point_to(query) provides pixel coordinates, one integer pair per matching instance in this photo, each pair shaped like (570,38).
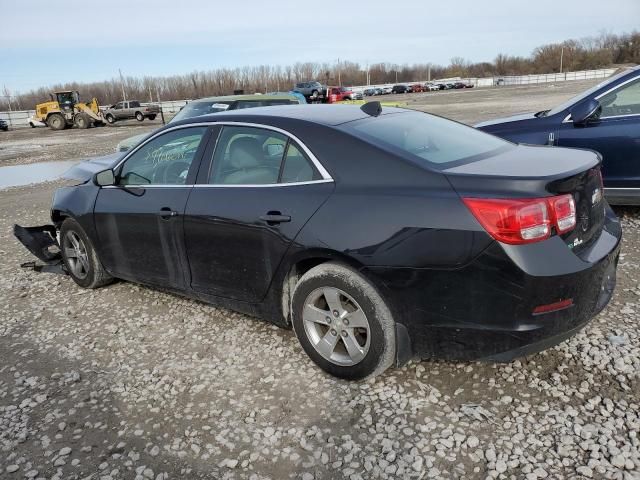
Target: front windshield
(572,101)
(196,109)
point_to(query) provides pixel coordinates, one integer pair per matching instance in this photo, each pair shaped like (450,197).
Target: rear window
(440,142)
(196,109)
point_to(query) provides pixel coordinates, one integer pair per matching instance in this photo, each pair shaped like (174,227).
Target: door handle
(167,213)
(273,218)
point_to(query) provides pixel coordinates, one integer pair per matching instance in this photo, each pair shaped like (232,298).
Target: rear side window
(134,104)
(434,140)
(297,167)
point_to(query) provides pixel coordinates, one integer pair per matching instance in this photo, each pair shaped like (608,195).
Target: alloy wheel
(76,253)
(336,326)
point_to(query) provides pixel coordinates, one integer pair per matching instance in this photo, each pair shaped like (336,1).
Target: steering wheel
(175,173)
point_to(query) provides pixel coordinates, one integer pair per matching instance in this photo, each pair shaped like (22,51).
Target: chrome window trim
(617,87)
(323,172)
(220,185)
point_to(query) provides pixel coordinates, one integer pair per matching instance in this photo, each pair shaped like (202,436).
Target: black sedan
(378,234)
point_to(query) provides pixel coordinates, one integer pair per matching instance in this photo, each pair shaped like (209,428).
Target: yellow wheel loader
(66,110)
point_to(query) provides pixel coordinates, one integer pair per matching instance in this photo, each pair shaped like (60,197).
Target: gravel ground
(126,382)
(32,145)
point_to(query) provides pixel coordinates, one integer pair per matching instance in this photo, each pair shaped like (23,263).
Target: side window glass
(247,156)
(134,104)
(165,160)
(297,167)
(623,101)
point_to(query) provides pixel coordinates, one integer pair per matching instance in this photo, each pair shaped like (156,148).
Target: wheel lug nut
(344,333)
(346,321)
(333,332)
(335,313)
(328,319)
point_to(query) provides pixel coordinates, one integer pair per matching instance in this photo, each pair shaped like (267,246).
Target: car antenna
(372,108)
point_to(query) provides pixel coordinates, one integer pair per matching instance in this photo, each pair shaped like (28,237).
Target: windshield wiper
(542,113)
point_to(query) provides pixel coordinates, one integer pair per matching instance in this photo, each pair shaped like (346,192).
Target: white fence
(21,118)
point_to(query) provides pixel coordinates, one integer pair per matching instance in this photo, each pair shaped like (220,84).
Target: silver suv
(311,90)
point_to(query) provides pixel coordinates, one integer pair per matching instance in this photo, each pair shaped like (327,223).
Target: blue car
(605,118)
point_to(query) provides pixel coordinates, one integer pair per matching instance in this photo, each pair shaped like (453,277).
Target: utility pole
(429,73)
(339,78)
(561,58)
(160,104)
(124,95)
(396,76)
(150,96)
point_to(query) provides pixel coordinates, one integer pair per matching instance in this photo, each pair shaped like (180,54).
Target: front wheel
(80,258)
(342,322)
(56,122)
(110,119)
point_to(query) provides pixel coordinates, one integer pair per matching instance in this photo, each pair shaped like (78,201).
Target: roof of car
(233,98)
(322,114)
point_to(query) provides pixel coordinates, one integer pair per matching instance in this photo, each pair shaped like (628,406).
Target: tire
(373,340)
(98,124)
(32,125)
(139,116)
(80,258)
(82,121)
(110,119)
(152,117)
(56,122)
(314,95)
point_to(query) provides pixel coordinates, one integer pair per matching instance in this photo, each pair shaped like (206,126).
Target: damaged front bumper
(42,242)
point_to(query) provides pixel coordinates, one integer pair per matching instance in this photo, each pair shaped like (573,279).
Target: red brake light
(520,221)
(512,221)
(564,209)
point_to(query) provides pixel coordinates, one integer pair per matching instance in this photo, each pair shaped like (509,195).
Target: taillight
(526,220)
(564,210)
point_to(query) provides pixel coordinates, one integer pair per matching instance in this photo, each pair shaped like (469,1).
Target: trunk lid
(538,171)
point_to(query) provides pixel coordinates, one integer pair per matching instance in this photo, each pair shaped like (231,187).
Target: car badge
(575,243)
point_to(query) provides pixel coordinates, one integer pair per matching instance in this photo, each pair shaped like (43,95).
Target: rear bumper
(484,311)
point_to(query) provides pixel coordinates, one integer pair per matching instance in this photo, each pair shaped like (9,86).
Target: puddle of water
(18,175)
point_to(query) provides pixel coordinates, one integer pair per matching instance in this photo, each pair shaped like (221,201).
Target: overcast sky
(42,43)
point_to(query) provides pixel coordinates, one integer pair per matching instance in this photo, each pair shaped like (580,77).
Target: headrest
(245,152)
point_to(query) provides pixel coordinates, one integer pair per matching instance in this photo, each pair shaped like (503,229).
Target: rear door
(261,186)
(139,220)
(616,135)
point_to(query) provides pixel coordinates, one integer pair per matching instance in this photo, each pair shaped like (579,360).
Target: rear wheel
(82,121)
(80,258)
(152,117)
(56,122)
(342,322)
(139,116)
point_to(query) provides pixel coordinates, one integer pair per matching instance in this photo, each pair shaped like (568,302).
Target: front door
(616,135)
(139,220)
(247,208)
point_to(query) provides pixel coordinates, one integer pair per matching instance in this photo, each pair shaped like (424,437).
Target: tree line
(587,53)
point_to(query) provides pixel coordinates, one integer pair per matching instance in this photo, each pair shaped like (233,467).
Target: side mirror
(585,111)
(104,178)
